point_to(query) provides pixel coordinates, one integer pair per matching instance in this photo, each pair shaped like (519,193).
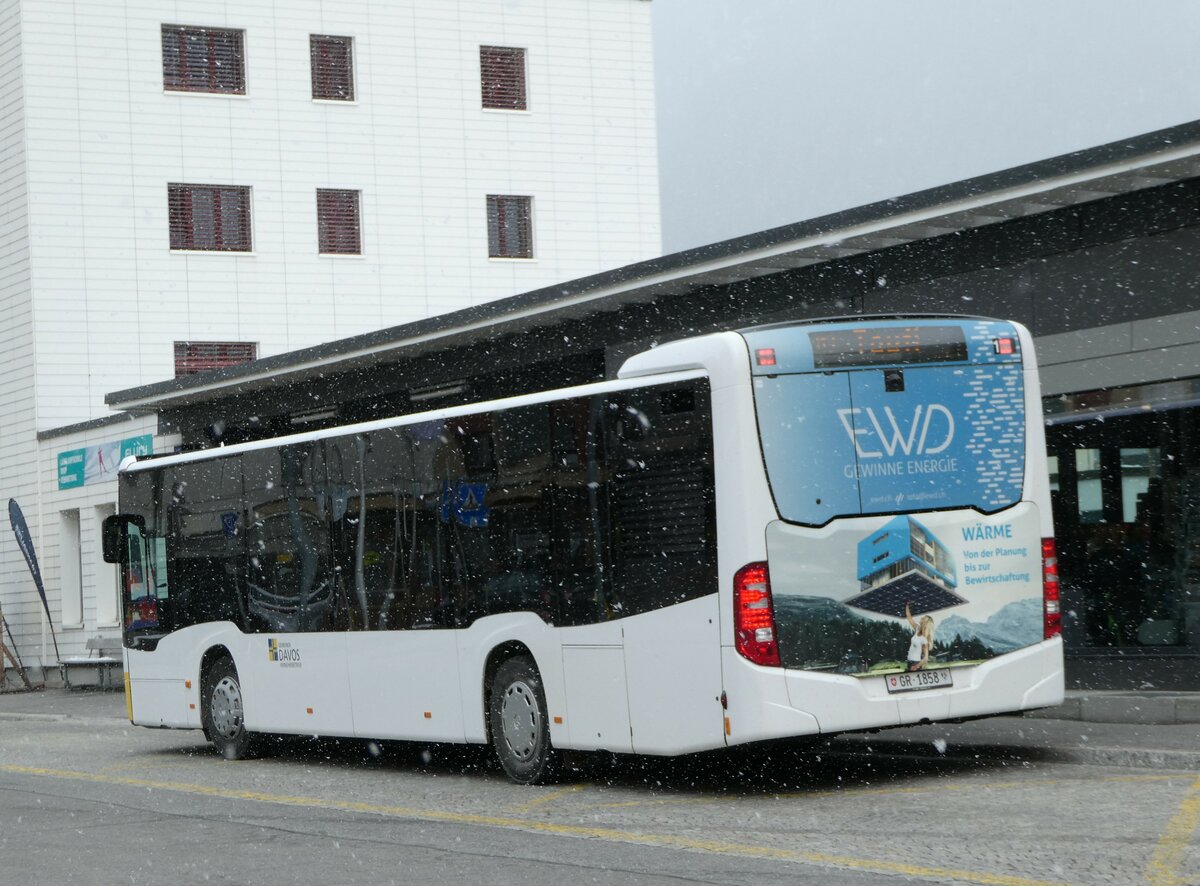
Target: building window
(200,356)
(502,72)
(338,228)
(70,563)
(510,226)
(209,217)
(203,60)
(332,67)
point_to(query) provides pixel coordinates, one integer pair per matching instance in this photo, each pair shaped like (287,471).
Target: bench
(103,657)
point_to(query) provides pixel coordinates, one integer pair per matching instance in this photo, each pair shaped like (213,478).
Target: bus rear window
(878,441)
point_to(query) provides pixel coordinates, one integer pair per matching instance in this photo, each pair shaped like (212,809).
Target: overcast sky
(774,111)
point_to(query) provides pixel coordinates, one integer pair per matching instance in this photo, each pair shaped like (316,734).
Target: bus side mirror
(112,536)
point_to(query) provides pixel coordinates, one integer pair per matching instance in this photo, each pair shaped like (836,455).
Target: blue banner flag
(25,542)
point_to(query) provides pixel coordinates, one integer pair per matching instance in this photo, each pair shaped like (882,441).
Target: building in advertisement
(1095,252)
(904,567)
(189,187)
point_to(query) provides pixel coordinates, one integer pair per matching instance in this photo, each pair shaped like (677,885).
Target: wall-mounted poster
(94,464)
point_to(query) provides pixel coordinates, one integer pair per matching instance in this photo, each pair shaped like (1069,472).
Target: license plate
(915,681)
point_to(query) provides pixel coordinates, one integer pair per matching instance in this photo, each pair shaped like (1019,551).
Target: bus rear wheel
(520,725)
(222,711)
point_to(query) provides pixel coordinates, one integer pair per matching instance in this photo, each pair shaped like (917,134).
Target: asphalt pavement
(1154,730)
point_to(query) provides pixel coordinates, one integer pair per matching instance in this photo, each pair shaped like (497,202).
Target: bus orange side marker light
(727,732)
(187,684)
(558,721)
(309,710)
(192,706)
(429,715)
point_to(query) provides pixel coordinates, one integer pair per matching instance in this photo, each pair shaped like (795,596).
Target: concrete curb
(998,751)
(1137,708)
(65,718)
(41,717)
(1131,758)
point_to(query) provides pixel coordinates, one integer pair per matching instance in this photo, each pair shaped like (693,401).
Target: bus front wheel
(223,712)
(519,723)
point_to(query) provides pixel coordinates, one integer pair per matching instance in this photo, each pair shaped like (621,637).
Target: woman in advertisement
(922,639)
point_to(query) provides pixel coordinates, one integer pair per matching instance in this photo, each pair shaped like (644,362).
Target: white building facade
(185,185)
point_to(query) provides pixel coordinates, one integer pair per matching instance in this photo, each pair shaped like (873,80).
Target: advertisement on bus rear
(907,593)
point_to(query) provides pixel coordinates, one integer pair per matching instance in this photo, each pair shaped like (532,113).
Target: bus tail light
(1005,346)
(754,615)
(1051,601)
(765,356)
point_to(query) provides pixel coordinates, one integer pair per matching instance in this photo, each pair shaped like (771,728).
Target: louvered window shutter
(502,70)
(209,217)
(203,60)
(199,356)
(510,226)
(338,228)
(332,67)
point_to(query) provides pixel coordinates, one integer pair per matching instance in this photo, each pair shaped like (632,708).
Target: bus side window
(492,520)
(204,542)
(145,584)
(663,509)
(580,511)
(289,579)
(434,573)
(367,533)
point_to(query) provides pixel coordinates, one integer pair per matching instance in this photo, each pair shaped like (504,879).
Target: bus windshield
(880,418)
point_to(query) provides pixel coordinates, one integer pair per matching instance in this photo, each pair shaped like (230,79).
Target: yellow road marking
(142,765)
(599,833)
(873,792)
(549,797)
(1163,869)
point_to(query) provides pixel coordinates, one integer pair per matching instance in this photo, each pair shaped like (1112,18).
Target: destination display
(890,345)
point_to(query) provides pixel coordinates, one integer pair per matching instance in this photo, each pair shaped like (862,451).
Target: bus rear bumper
(792,703)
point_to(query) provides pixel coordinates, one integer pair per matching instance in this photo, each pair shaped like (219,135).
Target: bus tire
(222,711)
(520,724)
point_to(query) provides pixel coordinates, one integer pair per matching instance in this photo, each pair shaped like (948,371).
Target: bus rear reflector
(754,615)
(1051,602)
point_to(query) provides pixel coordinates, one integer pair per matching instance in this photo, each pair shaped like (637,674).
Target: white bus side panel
(478,641)
(159,693)
(158,702)
(759,707)
(405,685)
(1037,479)
(597,707)
(673,675)
(300,687)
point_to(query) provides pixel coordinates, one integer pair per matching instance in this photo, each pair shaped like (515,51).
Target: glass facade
(1126,490)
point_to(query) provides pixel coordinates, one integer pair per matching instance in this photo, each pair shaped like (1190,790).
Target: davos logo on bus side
(882,433)
(283,652)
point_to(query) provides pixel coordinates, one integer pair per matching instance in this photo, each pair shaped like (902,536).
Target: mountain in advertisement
(822,634)
(819,633)
(1012,627)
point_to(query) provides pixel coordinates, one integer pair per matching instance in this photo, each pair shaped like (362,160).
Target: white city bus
(782,531)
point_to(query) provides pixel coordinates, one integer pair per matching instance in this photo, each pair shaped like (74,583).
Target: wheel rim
(227,707)
(520,720)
